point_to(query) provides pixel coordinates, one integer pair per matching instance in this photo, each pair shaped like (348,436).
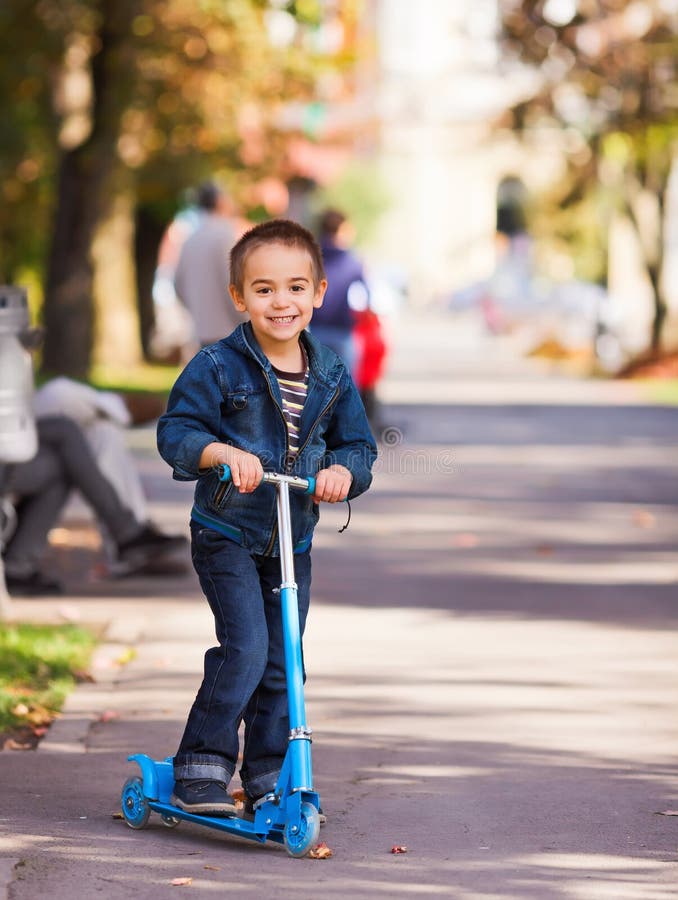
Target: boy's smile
(280,294)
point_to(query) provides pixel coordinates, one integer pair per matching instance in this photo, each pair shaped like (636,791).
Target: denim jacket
(229,393)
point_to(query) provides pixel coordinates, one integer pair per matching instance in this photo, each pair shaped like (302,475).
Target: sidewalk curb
(87,702)
(7,866)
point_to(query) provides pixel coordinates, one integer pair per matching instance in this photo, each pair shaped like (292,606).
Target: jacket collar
(323,363)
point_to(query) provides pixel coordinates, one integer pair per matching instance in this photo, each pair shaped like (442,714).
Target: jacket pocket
(234,402)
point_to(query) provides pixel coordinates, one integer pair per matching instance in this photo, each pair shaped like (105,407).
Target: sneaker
(35,584)
(208,798)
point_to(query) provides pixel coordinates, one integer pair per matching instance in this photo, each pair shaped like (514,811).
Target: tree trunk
(652,253)
(660,309)
(148,234)
(68,310)
(84,176)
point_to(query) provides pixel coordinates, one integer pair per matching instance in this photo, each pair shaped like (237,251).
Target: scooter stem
(300,733)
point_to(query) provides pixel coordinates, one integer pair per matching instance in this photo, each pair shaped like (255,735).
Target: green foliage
(39,666)
(29,53)
(606,77)
(569,221)
(204,89)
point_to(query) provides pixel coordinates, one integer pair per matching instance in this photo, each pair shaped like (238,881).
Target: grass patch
(39,666)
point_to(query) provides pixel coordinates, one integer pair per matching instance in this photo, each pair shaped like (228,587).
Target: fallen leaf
(117,815)
(213,868)
(398,848)
(39,715)
(11,744)
(126,656)
(668,812)
(238,795)
(82,676)
(320,851)
(178,882)
(108,715)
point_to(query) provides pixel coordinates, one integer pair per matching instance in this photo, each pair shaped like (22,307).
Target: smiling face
(280,293)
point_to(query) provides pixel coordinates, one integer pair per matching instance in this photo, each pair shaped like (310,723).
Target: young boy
(266,397)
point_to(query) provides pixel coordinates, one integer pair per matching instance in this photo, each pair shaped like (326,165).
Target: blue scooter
(289,815)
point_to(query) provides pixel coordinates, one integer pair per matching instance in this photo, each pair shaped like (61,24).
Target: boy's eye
(297,287)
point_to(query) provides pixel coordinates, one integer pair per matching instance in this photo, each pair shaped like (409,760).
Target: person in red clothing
(371,356)
(345,321)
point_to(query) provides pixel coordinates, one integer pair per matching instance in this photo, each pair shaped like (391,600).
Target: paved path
(491,653)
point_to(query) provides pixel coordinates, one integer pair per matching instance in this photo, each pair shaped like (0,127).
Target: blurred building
(419,101)
(439,94)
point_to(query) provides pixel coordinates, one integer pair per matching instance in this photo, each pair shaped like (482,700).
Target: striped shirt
(293,387)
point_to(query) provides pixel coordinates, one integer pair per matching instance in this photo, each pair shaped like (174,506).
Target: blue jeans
(244,677)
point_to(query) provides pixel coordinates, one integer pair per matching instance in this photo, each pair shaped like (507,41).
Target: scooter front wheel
(135,808)
(301,836)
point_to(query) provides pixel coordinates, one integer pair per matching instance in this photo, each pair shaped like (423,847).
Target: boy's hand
(246,468)
(332,484)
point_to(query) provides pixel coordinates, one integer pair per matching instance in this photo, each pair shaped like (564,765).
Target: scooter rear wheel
(170,821)
(135,808)
(300,838)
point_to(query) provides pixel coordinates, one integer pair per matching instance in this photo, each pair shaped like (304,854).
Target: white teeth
(284,319)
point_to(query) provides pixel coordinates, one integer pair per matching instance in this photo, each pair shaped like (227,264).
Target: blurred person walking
(201,278)
(347,290)
(345,321)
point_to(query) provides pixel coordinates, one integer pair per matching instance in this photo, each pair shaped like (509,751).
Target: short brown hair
(276,231)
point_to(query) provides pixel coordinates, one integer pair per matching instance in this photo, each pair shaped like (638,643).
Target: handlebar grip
(225,476)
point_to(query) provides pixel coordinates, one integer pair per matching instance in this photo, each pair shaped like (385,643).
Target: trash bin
(18,438)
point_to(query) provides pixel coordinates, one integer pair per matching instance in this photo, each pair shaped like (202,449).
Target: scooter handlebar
(307,485)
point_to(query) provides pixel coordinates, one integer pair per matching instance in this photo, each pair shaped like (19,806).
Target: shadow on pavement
(512,424)
(465,811)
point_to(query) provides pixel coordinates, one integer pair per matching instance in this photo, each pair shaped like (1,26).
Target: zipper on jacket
(329,403)
(318,418)
(274,531)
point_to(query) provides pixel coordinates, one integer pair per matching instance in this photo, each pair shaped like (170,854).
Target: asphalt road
(491,652)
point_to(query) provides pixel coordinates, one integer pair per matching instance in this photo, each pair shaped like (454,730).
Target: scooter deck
(230,824)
